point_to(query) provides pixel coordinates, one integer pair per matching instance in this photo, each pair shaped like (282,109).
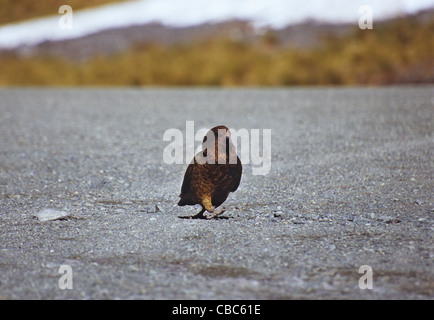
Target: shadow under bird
(212,175)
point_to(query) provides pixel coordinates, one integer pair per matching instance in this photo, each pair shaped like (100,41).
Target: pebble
(51,215)
(158,209)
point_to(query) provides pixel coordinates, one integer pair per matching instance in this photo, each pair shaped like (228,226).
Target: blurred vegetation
(397,51)
(17,10)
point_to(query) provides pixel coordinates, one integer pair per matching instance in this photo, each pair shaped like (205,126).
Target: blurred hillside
(233,53)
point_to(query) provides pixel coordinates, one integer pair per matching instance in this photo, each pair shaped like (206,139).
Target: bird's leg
(216,214)
(199,215)
(207,205)
(196,216)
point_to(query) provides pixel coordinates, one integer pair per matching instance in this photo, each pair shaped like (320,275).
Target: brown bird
(212,175)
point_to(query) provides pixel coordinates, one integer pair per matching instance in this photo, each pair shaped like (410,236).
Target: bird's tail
(185,201)
(182,202)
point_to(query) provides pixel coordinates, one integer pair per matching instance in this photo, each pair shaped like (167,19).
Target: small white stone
(51,215)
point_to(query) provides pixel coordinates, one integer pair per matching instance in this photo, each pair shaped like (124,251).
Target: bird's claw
(200,215)
(215,215)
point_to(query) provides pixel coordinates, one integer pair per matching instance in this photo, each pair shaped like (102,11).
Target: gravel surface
(83,183)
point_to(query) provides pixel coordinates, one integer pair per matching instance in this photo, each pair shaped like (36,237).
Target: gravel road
(351,184)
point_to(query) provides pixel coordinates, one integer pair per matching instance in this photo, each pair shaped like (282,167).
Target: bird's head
(218,133)
(217,144)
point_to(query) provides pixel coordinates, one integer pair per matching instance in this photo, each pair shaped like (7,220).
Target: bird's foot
(216,214)
(196,216)
(192,217)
